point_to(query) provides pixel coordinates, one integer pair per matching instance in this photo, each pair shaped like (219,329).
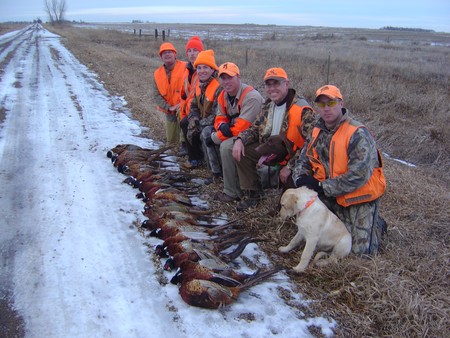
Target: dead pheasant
(181,254)
(172,196)
(216,244)
(192,231)
(118,149)
(213,246)
(211,295)
(189,270)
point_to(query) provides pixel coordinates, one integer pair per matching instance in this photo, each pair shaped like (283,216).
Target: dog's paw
(284,249)
(325,261)
(322,262)
(299,268)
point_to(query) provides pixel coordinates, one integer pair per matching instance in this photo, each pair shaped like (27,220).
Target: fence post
(328,67)
(168,33)
(134,31)
(156,34)
(140,32)
(246,56)
(164,35)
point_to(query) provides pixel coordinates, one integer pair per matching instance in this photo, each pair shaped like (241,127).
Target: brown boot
(183,151)
(222,197)
(250,200)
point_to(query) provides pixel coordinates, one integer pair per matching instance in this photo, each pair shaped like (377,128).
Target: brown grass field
(397,83)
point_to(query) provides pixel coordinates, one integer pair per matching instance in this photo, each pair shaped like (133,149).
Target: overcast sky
(431,14)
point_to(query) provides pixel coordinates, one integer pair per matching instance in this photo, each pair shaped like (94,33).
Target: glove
(208,141)
(309,182)
(184,123)
(193,129)
(225,129)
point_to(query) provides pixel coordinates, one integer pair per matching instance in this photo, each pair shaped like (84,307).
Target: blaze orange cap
(206,57)
(166,46)
(330,91)
(276,74)
(229,68)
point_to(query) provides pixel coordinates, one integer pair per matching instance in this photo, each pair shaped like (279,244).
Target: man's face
(276,90)
(204,72)
(330,115)
(230,84)
(191,54)
(168,57)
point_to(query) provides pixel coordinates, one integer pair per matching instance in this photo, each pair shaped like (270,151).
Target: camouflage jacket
(261,128)
(202,108)
(362,159)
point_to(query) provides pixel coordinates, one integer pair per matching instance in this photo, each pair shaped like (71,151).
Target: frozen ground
(72,262)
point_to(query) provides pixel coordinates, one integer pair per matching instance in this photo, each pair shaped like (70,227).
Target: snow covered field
(73,264)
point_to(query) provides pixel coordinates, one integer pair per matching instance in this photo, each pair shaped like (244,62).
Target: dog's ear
(292,201)
(288,145)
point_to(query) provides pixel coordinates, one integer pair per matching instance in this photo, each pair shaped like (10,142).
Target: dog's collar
(311,201)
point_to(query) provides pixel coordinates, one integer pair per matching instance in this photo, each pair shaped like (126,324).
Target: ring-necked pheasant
(204,269)
(211,295)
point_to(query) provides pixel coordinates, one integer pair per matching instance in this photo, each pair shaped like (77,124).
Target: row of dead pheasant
(201,251)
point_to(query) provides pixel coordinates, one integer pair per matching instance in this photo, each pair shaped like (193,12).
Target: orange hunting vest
(293,133)
(205,105)
(294,126)
(370,191)
(239,124)
(189,90)
(170,90)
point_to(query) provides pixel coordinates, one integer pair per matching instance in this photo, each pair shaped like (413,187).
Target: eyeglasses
(328,104)
(274,84)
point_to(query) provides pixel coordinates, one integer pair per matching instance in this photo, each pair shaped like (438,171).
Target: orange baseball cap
(166,46)
(276,74)
(229,68)
(330,91)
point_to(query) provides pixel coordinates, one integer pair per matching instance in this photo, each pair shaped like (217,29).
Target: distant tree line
(390,28)
(56,10)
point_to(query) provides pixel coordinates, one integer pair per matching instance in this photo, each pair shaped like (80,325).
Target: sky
(72,262)
(431,14)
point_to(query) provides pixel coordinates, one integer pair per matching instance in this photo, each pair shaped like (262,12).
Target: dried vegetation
(401,91)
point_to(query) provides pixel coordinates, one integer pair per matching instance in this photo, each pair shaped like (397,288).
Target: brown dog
(275,150)
(316,224)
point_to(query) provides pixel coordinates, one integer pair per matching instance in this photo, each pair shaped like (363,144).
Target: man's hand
(225,129)
(310,182)
(173,109)
(238,149)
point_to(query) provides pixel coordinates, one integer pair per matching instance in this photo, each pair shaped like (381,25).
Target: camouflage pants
(362,221)
(212,152)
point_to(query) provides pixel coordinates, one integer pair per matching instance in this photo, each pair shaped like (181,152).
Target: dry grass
(400,92)
(9,27)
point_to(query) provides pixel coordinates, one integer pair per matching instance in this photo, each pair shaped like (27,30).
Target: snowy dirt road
(72,262)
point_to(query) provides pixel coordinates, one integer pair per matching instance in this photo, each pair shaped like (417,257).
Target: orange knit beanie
(206,57)
(196,43)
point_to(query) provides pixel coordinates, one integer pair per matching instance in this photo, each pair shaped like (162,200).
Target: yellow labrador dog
(316,224)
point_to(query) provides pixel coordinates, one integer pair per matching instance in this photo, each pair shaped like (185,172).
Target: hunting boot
(183,149)
(251,199)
